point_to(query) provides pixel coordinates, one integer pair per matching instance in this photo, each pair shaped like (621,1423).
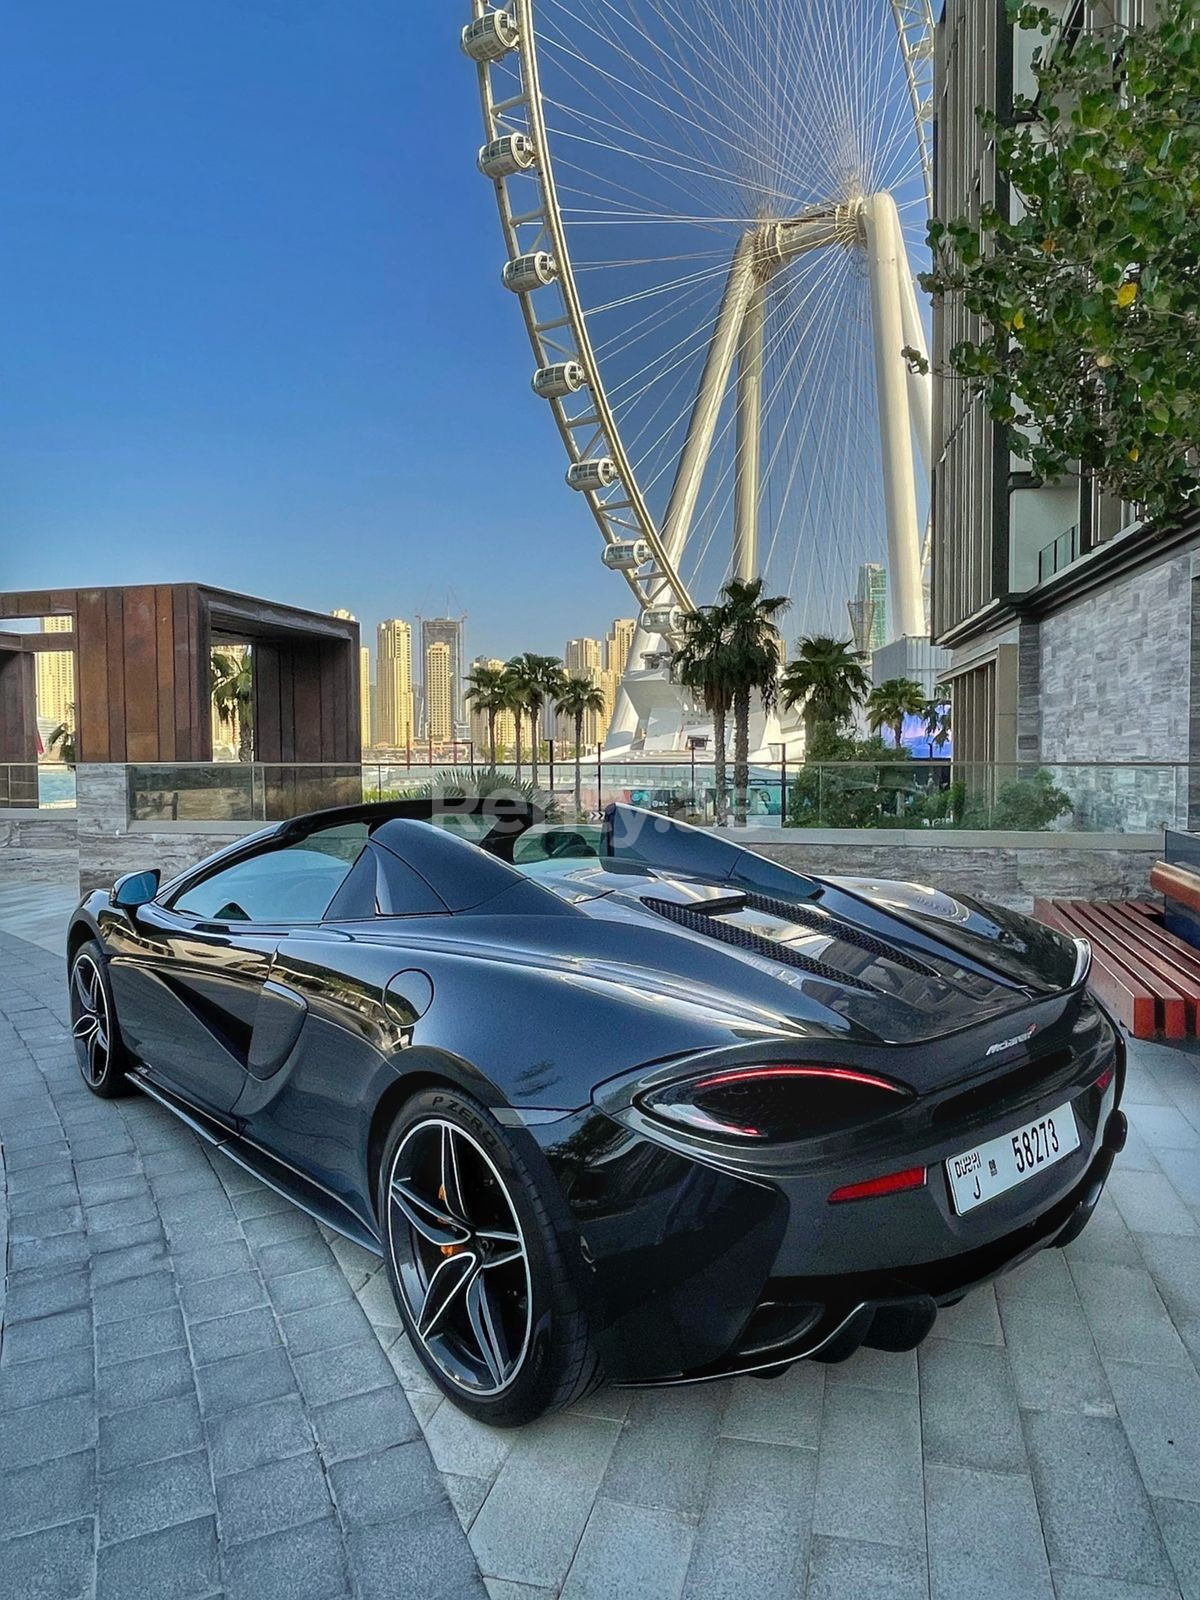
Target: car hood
(876,961)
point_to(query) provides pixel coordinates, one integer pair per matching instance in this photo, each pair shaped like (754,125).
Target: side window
(551,841)
(293,883)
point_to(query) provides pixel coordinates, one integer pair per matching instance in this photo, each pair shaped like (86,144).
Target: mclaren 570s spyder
(624,1103)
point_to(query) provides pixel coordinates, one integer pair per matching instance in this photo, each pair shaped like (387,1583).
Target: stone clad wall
(39,846)
(1010,873)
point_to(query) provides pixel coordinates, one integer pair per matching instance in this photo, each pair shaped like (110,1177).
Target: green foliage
(1024,805)
(460,783)
(61,742)
(1090,299)
(233,696)
(891,701)
(828,677)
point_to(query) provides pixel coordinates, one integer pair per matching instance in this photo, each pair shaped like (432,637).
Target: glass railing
(937,794)
(37,785)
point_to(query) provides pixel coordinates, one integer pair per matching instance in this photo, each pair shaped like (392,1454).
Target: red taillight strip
(1105,1078)
(756,1074)
(890,1183)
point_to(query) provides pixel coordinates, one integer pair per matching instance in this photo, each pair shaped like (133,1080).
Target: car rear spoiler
(630,833)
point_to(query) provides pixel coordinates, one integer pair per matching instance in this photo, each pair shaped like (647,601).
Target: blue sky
(255,334)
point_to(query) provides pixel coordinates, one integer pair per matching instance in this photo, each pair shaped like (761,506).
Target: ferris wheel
(710,214)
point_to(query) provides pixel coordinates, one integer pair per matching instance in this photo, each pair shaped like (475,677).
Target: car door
(189,969)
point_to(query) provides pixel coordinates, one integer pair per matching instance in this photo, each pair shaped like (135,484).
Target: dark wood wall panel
(143,673)
(18,722)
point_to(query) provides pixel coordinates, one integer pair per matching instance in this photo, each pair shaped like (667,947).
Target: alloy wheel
(91,1027)
(460,1256)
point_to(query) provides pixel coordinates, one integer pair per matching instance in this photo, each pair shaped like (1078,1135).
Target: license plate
(979,1175)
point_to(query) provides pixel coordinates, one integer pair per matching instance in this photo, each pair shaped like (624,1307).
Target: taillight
(1105,1078)
(775,1103)
(890,1183)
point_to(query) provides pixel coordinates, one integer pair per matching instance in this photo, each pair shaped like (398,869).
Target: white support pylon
(749,438)
(887,260)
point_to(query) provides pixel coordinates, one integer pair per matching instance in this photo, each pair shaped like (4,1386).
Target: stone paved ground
(192,1401)
(1045,1445)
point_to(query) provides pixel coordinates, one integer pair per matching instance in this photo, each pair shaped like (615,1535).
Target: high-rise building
(584,658)
(447,631)
(365,696)
(506,723)
(439,693)
(393,684)
(618,644)
(872,597)
(55,677)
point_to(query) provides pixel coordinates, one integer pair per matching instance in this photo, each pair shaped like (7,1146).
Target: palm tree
(937,716)
(64,737)
(891,701)
(577,697)
(539,679)
(754,651)
(700,665)
(488,692)
(828,678)
(233,695)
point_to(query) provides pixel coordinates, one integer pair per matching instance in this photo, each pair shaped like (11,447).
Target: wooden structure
(143,674)
(1148,978)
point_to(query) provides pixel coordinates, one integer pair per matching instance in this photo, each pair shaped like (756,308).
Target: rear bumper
(835,1316)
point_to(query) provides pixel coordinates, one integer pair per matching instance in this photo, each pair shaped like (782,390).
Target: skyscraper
(447,631)
(618,644)
(873,592)
(439,693)
(54,675)
(364,696)
(584,658)
(393,684)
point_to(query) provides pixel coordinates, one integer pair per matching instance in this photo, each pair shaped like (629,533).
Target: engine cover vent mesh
(835,928)
(770,949)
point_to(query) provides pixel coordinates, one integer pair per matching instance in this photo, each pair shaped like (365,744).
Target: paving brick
(784,1410)
(53,1564)
(753,1535)
(150,1334)
(969,1414)
(306,1561)
(357,1369)
(1053,1359)
(318,1286)
(364,1422)
(42,1297)
(662,1456)
(1128,1319)
(149,1378)
(1149,1204)
(1174,1265)
(219,1297)
(134,1261)
(557,1465)
(202,1262)
(234,1335)
(134,1297)
(270,1431)
(984,1536)
(1179,1521)
(150,1433)
(1044,1277)
(48,1429)
(175,1563)
(437,1559)
(239,1381)
(280,1227)
(47,1255)
(869,1468)
(156,1494)
(294,1255)
(27,1382)
(277,1495)
(324,1328)
(385,1485)
(1160,1411)
(48,1493)
(1096,1517)
(840,1568)
(628,1552)
(460,1444)
(48,1336)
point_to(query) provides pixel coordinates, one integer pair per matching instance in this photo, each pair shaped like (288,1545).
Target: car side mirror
(135,889)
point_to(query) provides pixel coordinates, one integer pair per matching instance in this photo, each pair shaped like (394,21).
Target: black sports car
(630,1102)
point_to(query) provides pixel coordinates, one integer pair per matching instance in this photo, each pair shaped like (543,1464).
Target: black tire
(529,1291)
(99,1051)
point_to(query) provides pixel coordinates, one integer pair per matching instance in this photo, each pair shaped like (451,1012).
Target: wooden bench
(1149,978)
